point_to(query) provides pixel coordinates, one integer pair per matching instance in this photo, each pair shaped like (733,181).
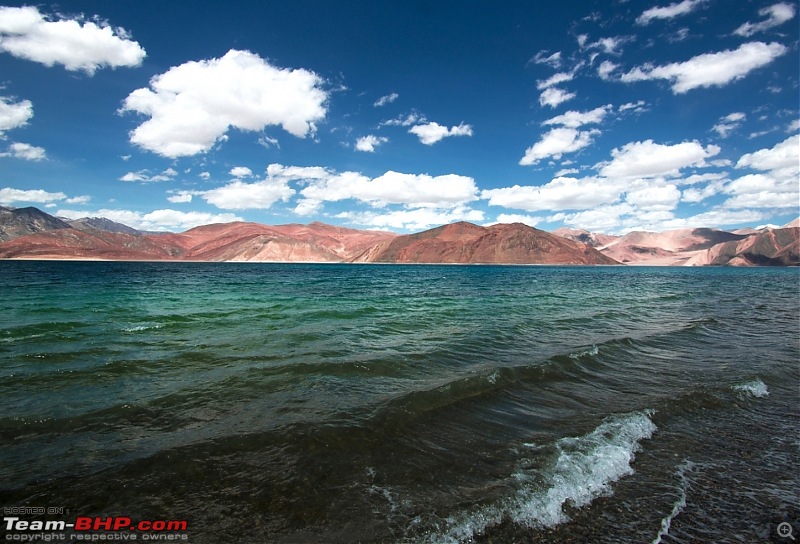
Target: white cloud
(418,219)
(668,12)
(553,96)
(388,99)
(181,197)
(728,124)
(14,114)
(599,219)
(784,155)
(763,191)
(431,133)
(654,197)
(83,199)
(576,119)
(241,172)
(710,69)
(77,45)
(157,220)
(239,195)
(776,15)
(413,190)
(559,194)
(9,195)
(529,220)
(610,46)
(144,176)
(605,69)
(26,152)
(794,126)
(544,57)
(556,142)
(405,120)
(555,79)
(637,107)
(192,106)
(370,142)
(649,159)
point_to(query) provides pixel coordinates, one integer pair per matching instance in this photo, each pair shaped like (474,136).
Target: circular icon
(785,530)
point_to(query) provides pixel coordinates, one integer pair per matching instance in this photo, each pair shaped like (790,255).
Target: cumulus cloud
(157,220)
(647,197)
(776,15)
(649,159)
(144,176)
(668,12)
(556,143)
(775,183)
(431,133)
(710,69)
(240,195)
(192,106)
(417,219)
(181,197)
(14,114)
(370,142)
(9,195)
(728,124)
(76,44)
(563,193)
(605,69)
(784,155)
(388,99)
(241,172)
(412,190)
(576,119)
(553,97)
(26,152)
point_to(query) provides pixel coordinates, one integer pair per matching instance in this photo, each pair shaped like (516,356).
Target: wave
(755,388)
(140,328)
(679,504)
(584,469)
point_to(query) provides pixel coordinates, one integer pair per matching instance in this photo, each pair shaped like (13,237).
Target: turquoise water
(383,403)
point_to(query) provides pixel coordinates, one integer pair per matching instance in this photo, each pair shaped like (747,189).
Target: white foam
(140,328)
(679,504)
(756,388)
(585,468)
(589,352)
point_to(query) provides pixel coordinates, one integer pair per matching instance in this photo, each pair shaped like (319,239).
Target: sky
(611,116)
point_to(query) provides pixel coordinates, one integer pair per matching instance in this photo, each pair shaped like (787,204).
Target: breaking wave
(583,469)
(755,388)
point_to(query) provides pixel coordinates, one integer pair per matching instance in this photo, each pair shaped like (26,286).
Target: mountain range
(29,233)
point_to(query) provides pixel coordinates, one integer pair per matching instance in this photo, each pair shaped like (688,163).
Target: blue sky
(610,115)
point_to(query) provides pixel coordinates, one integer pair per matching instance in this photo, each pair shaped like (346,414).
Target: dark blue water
(372,403)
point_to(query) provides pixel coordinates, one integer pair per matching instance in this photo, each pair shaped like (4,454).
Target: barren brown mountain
(29,233)
(674,247)
(467,243)
(771,247)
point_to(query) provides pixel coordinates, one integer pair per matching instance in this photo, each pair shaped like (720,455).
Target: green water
(371,403)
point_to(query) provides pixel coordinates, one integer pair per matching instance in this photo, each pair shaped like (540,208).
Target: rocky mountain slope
(704,247)
(467,243)
(16,222)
